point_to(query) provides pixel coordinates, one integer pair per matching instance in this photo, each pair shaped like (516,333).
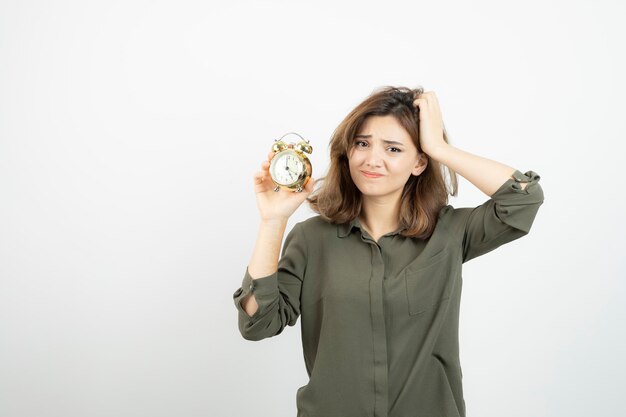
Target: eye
(356,143)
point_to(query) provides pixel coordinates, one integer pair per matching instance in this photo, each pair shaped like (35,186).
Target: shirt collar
(345,229)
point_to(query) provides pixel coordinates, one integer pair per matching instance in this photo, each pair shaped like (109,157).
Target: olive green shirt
(380,320)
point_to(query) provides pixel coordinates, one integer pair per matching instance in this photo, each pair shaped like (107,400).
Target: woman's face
(384,147)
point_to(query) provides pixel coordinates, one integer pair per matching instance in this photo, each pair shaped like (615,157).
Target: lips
(371,174)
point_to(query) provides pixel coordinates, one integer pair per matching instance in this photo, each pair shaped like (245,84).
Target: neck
(380,214)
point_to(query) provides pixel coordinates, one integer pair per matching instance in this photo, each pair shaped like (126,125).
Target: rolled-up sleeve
(507,215)
(277,295)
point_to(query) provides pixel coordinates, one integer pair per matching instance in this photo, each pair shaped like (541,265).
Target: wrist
(438,152)
(275,221)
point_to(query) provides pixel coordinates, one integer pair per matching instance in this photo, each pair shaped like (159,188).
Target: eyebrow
(390,142)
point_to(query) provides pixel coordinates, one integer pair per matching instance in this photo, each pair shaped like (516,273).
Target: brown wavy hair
(338,200)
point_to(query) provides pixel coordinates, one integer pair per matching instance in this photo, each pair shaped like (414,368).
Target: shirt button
(520,177)
(251,286)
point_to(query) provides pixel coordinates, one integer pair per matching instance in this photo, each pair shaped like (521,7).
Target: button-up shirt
(379,319)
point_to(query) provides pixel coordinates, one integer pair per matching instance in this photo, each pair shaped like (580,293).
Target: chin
(373,191)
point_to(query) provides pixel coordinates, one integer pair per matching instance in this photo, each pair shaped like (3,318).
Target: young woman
(376,275)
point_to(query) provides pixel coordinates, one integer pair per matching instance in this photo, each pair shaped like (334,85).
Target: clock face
(286,168)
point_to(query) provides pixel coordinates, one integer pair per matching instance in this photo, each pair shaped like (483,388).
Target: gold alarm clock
(290,168)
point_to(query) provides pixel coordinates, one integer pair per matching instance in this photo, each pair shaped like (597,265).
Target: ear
(420,164)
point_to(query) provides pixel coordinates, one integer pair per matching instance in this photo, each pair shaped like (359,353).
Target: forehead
(386,128)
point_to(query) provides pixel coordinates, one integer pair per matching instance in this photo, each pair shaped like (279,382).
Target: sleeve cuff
(513,184)
(264,290)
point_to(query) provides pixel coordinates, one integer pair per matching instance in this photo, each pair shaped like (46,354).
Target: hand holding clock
(276,205)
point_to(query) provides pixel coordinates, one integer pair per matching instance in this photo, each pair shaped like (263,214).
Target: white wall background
(129,133)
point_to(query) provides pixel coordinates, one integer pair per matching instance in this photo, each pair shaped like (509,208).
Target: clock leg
(299,189)
(276,188)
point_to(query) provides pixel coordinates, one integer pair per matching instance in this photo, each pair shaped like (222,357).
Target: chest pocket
(426,284)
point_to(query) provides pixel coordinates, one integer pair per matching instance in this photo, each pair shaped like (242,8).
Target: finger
(309,185)
(419,102)
(426,95)
(432,98)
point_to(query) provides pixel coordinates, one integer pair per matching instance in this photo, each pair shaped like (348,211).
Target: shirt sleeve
(278,294)
(507,215)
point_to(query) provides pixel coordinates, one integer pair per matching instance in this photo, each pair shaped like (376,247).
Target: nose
(374,158)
